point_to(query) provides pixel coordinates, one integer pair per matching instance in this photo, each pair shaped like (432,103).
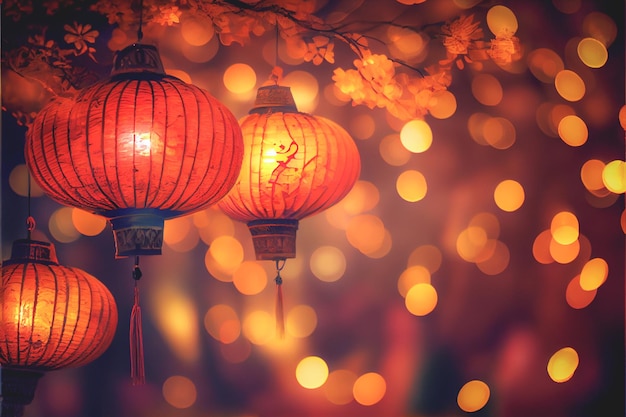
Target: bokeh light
(305,89)
(338,386)
(421,299)
(564,227)
(473,396)
(569,85)
(301,321)
(592,52)
(487,89)
(501,21)
(509,195)
(614,176)
(428,256)
(312,372)
(250,278)
(328,263)
(366,232)
(87,223)
(393,151)
(442,105)
(239,78)
(562,364)
(179,391)
(259,327)
(411,276)
(222,323)
(573,130)
(61,225)
(411,185)
(576,296)
(545,64)
(416,136)
(594,273)
(196,29)
(19,182)
(369,388)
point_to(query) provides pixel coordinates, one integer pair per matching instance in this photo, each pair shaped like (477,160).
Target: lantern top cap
(137,58)
(32,251)
(274,98)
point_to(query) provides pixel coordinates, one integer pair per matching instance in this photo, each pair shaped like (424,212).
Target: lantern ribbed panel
(136,141)
(53,317)
(294,165)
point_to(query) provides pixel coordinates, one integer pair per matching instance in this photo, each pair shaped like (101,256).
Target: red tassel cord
(137,369)
(280,312)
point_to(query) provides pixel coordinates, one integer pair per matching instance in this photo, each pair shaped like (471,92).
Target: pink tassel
(137,369)
(280,315)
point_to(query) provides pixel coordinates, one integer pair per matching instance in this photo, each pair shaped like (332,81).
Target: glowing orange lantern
(51,317)
(138,148)
(294,165)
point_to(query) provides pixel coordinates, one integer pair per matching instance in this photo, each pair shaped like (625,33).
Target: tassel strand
(280,314)
(137,369)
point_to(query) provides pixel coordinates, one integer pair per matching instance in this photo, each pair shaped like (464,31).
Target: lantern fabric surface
(138,148)
(295,165)
(52,316)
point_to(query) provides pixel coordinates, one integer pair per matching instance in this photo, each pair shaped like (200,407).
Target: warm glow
(239,78)
(473,396)
(563,364)
(300,321)
(487,89)
(545,64)
(427,255)
(362,126)
(509,195)
(499,132)
(61,225)
(564,228)
(87,223)
(592,52)
(196,30)
(222,323)
(179,391)
(328,263)
(366,232)
(411,186)
(601,27)
(416,274)
(305,89)
(312,372)
(614,176)
(18,181)
(338,386)
(250,278)
(421,299)
(576,296)
(564,254)
(393,151)
(176,318)
(501,21)
(443,105)
(259,327)
(416,136)
(472,243)
(594,274)
(227,252)
(497,258)
(591,174)
(569,85)
(369,388)
(175,230)
(573,130)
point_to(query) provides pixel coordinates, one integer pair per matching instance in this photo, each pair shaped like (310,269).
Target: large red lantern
(294,165)
(51,317)
(138,148)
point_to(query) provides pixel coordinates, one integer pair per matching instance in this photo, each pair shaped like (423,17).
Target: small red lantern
(294,165)
(138,148)
(51,317)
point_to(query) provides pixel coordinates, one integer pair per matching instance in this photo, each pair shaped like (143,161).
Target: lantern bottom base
(274,239)
(17,389)
(138,232)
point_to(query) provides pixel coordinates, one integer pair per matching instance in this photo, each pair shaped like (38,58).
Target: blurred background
(439,286)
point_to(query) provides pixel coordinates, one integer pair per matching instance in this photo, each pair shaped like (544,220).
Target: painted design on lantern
(282,154)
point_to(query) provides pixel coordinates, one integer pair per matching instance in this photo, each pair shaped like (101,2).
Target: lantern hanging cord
(30,220)
(280,264)
(140,30)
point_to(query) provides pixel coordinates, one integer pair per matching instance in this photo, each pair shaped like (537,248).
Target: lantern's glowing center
(269,156)
(142,143)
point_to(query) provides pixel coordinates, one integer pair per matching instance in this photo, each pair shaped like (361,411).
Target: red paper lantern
(138,148)
(51,317)
(294,165)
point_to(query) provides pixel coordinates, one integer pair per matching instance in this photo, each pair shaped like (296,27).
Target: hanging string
(140,30)
(137,369)
(280,312)
(30,220)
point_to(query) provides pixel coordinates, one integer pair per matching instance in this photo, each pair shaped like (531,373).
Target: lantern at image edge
(137,148)
(51,317)
(294,165)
